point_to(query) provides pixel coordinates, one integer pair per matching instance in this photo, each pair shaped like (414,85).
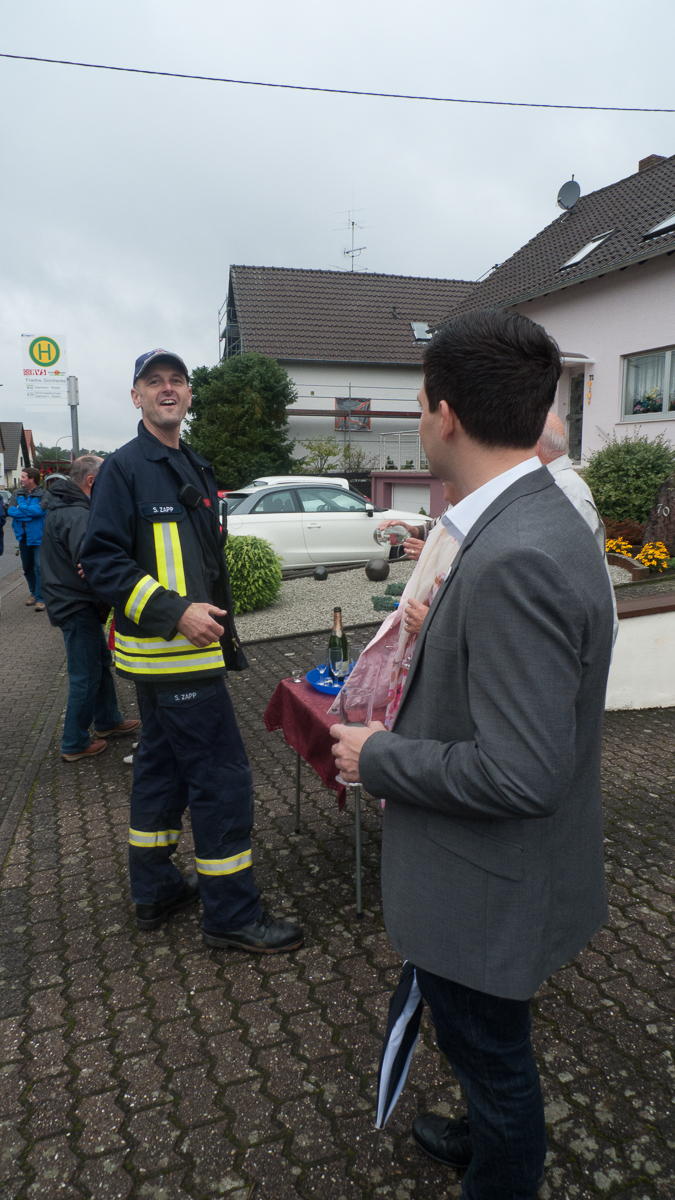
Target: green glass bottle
(338,648)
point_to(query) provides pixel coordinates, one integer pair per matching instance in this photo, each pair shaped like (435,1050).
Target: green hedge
(255,572)
(626,474)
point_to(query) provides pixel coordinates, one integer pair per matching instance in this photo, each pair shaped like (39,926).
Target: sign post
(44,371)
(73,401)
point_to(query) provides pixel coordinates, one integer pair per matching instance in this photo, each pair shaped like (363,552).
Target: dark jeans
(486,1040)
(91,695)
(30,561)
(191,754)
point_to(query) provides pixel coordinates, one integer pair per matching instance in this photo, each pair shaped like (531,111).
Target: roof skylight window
(586,250)
(662,227)
(421,331)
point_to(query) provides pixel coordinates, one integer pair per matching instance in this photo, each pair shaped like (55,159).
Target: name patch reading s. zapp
(178,696)
(161,510)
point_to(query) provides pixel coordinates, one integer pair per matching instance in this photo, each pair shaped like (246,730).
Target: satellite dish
(569,194)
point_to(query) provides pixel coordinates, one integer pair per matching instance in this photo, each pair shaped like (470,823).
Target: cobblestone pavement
(144,1065)
(32,683)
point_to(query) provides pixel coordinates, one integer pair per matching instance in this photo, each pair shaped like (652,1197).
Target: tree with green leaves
(625,475)
(238,419)
(323,454)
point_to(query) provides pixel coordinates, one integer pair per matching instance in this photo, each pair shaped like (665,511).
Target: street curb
(6,591)
(324,632)
(19,800)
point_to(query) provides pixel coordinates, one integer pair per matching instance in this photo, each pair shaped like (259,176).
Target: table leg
(298,761)
(356,789)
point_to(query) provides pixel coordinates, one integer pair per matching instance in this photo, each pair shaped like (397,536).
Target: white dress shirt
(466,513)
(579,494)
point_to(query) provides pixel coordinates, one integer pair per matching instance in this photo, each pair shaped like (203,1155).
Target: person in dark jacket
(73,606)
(3,518)
(154,549)
(27,509)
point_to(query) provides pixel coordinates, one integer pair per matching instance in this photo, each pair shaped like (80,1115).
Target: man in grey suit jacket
(492,858)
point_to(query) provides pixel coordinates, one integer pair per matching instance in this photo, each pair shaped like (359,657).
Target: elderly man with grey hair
(76,609)
(552,453)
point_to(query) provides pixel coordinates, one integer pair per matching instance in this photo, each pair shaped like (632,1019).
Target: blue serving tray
(329,688)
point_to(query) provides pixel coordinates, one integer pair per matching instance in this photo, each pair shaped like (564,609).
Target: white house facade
(601,280)
(352,343)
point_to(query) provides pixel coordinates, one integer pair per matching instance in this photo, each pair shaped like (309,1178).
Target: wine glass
(321,661)
(355,651)
(391,535)
(335,662)
(356,708)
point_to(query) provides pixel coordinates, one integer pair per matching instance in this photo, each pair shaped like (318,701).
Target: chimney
(650,161)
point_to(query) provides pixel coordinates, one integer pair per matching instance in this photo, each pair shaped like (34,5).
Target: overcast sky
(124,199)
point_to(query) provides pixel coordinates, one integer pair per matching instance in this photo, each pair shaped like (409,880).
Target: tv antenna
(355,250)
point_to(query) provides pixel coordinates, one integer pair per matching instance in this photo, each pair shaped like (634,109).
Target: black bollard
(321,574)
(377,570)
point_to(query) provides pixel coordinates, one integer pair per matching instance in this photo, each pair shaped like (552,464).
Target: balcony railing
(402,452)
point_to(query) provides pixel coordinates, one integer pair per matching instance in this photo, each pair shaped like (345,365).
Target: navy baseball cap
(142,362)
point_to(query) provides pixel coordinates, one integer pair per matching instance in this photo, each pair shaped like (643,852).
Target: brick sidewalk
(143,1065)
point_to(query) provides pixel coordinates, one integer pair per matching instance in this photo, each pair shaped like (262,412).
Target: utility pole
(73,401)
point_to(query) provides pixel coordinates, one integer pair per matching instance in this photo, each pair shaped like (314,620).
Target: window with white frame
(649,384)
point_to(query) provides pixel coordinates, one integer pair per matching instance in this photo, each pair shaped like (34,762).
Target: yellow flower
(654,555)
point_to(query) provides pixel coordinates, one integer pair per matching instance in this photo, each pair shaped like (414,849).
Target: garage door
(410,497)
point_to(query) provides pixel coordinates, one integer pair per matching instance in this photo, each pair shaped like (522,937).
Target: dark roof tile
(628,208)
(337,316)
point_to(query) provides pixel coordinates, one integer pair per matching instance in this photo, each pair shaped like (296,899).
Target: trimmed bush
(384,603)
(626,474)
(255,572)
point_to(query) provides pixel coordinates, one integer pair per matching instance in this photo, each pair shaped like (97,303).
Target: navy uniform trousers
(192,755)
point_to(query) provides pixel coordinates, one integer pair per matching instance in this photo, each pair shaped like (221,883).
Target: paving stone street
(144,1065)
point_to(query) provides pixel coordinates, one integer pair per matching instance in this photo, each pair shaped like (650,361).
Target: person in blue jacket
(154,550)
(3,518)
(27,510)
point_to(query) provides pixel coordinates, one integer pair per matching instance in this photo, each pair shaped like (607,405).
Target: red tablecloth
(302,713)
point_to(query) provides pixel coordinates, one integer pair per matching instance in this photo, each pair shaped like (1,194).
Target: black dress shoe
(269,935)
(151,916)
(449,1142)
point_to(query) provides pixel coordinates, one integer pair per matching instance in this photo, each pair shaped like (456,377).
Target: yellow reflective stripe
(177,560)
(156,645)
(169,557)
(225,866)
(161,837)
(139,597)
(178,664)
(160,554)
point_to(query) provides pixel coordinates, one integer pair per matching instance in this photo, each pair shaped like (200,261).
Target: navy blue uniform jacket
(151,557)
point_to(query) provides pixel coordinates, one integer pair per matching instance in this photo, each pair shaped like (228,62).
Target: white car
(310,524)
(274,480)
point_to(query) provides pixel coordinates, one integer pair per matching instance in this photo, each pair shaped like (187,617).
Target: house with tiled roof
(352,343)
(601,279)
(16,453)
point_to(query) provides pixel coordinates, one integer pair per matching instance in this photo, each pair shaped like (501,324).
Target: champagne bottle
(338,648)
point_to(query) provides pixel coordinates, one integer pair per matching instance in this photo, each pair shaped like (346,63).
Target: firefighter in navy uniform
(154,550)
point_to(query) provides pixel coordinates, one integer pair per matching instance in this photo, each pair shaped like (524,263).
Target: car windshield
(234,499)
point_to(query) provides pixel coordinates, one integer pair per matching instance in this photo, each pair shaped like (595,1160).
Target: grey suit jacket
(492,857)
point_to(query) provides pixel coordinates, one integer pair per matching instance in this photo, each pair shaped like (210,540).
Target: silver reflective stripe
(140,596)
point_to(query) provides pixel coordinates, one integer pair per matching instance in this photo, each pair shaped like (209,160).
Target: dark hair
(498,371)
(32,473)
